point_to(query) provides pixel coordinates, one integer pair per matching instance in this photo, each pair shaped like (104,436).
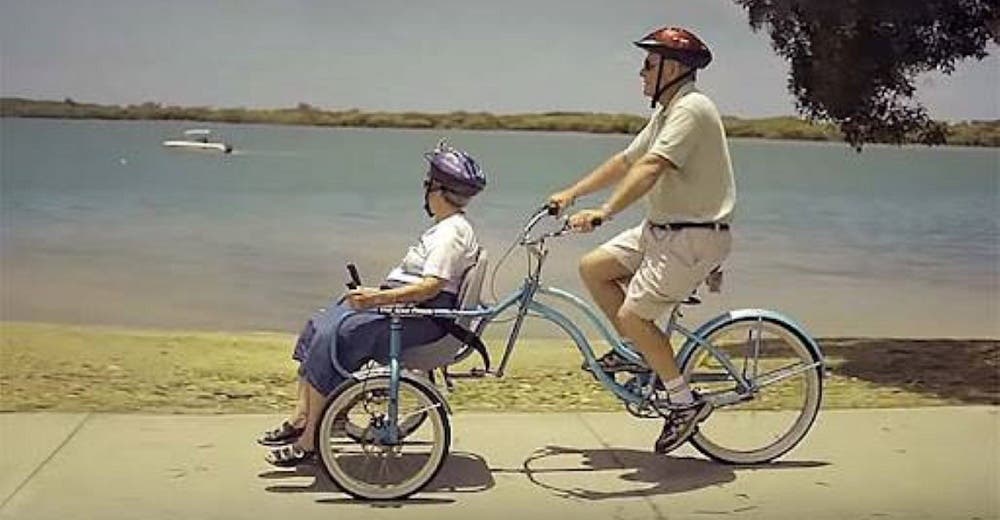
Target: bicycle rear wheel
(782,403)
(364,464)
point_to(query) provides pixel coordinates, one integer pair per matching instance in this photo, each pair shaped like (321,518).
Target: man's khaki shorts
(667,266)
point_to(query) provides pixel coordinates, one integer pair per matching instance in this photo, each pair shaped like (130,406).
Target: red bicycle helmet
(679,44)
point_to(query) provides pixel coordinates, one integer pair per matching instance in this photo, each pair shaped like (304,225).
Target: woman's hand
(366,298)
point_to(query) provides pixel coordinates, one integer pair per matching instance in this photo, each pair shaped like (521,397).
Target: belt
(675,226)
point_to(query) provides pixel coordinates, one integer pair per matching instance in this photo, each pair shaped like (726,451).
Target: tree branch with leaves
(854,62)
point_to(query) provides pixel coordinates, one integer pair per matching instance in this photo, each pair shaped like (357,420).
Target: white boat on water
(198,139)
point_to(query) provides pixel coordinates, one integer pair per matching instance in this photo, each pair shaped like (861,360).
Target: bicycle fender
(753,314)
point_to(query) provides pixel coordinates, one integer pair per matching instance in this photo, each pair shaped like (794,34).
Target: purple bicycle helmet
(455,170)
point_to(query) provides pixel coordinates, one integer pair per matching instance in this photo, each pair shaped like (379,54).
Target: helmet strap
(427,203)
(660,90)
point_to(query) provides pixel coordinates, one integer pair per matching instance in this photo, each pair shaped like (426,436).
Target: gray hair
(455,199)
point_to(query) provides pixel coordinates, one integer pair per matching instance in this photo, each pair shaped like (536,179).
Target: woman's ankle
(307,445)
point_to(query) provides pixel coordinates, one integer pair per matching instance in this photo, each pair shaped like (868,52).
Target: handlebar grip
(552,208)
(355,279)
(596,221)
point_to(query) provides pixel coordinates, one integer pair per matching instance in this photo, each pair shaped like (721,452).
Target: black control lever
(553,209)
(355,279)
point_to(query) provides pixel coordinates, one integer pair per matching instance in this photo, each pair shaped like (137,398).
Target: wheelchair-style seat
(442,352)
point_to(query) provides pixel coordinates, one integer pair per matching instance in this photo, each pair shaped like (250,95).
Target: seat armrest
(417,312)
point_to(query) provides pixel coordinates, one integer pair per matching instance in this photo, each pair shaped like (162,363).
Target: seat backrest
(442,351)
(471,288)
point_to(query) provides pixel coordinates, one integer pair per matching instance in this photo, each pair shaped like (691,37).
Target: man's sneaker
(612,362)
(681,424)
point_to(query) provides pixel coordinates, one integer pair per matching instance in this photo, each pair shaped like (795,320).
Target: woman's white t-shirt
(446,250)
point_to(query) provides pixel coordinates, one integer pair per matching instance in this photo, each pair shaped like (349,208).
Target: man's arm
(607,174)
(639,179)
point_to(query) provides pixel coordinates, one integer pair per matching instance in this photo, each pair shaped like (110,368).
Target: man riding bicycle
(680,161)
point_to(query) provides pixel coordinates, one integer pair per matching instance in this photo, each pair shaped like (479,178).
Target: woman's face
(434,201)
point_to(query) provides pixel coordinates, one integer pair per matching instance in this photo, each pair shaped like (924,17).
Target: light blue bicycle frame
(524,299)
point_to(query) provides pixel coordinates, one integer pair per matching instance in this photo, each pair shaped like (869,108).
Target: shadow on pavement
(590,474)
(646,473)
(966,370)
(461,473)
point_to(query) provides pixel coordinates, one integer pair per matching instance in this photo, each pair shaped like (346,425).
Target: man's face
(648,73)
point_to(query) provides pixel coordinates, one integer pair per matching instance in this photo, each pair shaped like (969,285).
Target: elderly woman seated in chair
(429,276)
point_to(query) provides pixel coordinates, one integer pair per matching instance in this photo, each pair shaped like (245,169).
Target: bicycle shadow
(646,474)
(461,472)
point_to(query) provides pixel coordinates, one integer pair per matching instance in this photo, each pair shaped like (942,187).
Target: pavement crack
(44,462)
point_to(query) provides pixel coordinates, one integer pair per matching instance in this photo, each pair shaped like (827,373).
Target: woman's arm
(366,297)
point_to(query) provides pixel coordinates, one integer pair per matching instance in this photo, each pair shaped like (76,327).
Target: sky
(399,55)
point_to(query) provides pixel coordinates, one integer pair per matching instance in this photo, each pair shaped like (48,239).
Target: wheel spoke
(773,376)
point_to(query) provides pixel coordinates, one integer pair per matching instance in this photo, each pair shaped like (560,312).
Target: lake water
(100,224)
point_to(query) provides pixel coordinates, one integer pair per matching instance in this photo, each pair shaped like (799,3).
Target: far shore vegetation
(967,133)
(69,368)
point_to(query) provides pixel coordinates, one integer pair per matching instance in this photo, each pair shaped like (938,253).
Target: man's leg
(602,274)
(655,347)
(671,269)
(653,343)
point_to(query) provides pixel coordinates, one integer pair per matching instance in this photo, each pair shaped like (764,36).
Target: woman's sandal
(288,456)
(287,433)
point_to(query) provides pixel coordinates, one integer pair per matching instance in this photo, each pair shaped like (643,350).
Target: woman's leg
(316,401)
(361,337)
(298,418)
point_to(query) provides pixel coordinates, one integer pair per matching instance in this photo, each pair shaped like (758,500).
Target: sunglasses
(430,186)
(647,64)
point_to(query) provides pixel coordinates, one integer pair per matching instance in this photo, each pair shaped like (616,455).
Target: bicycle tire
(740,439)
(348,461)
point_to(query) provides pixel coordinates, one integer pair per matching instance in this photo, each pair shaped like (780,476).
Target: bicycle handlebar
(551,209)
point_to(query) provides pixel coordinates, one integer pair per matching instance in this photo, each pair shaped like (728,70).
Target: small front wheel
(776,412)
(368,464)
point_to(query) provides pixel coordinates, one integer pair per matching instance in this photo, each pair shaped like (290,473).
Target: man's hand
(365,298)
(562,200)
(583,221)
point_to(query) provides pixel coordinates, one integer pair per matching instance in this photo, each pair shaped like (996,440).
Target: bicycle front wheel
(763,422)
(364,463)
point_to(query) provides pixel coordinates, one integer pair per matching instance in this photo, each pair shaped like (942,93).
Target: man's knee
(587,266)
(599,266)
(627,318)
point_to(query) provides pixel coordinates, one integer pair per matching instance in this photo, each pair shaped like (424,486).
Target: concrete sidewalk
(934,463)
